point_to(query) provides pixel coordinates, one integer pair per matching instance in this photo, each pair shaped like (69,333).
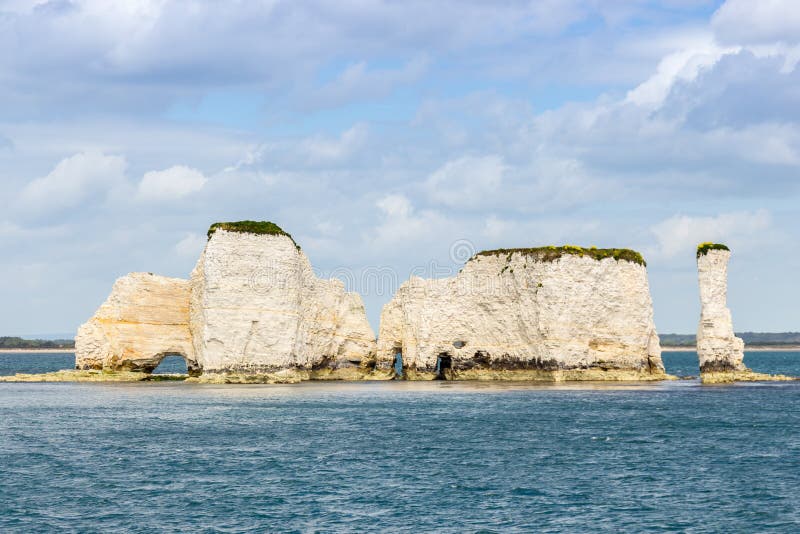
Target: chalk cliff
(145,318)
(551,313)
(258,309)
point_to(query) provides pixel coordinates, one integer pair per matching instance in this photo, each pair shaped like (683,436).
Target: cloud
(402,228)
(358,81)
(154,51)
(395,206)
(172,183)
(730,93)
(466,182)
(757,22)
(683,65)
(680,234)
(323,149)
(74,180)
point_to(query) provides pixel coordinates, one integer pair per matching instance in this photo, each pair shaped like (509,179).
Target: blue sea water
(413,457)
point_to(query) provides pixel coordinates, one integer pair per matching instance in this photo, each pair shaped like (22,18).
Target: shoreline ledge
(77,375)
(294,376)
(728,377)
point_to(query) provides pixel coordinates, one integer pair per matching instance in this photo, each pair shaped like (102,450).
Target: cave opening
(444,362)
(398,364)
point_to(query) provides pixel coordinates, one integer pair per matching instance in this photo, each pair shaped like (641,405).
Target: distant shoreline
(747,348)
(42,351)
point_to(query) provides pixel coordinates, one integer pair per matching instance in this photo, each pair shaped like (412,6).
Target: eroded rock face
(257,308)
(517,316)
(145,318)
(718,349)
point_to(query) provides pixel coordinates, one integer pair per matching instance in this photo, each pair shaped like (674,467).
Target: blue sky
(382,133)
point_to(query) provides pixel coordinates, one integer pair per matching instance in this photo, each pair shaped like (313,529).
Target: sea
(400,456)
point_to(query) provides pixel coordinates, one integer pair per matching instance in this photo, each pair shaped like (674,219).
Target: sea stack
(720,352)
(257,308)
(550,313)
(253,311)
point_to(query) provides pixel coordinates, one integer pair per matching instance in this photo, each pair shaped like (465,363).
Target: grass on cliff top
(553,253)
(703,248)
(250,227)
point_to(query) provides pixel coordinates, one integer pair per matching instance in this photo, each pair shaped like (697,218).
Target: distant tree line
(19,343)
(750,338)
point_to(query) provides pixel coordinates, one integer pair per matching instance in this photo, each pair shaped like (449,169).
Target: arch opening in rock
(174,363)
(444,363)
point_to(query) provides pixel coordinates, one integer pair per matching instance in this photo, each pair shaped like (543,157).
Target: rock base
(728,377)
(292,376)
(537,375)
(72,375)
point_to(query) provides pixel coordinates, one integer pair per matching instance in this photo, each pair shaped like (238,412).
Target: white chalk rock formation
(145,318)
(257,308)
(718,349)
(551,313)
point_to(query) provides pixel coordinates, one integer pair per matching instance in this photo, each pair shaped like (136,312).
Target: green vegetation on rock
(553,253)
(703,248)
(250,227)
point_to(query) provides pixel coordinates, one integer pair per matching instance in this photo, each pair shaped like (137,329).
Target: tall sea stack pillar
(718,349)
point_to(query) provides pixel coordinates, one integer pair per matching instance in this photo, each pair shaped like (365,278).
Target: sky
(397,138)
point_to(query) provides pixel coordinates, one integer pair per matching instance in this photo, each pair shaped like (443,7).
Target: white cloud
(172,183)
(680,234)
(397,206)
(326,149)
(683,65)
(467,182)
(404,229)
(74,179)
(757,22)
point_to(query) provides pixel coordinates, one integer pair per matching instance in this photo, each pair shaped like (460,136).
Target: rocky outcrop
(551,313)
(718,349)
(145,318)
(258,309)
(253,311)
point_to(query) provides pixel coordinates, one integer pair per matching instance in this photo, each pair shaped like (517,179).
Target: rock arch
(145,319)
(192,367)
